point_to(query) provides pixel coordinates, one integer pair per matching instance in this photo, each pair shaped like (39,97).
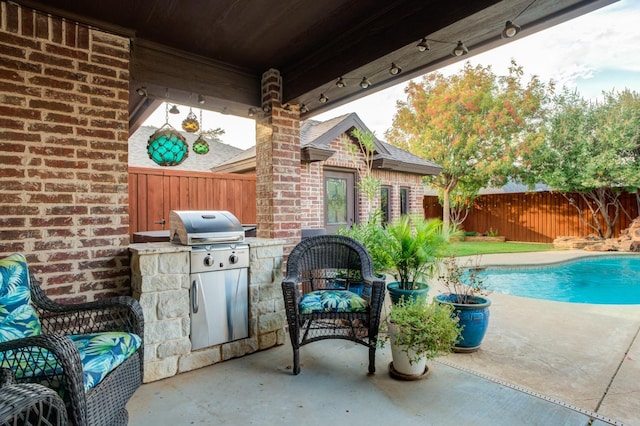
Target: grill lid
(193,227)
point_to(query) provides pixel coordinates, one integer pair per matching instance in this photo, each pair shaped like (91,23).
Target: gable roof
(315,137)
(218,152)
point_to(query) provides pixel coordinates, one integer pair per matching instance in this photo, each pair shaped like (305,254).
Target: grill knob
(233,258)
(208,260)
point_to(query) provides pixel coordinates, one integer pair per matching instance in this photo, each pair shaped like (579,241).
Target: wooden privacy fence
(154,192)
(531,217)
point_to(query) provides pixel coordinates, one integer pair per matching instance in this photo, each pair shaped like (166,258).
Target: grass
(487,247)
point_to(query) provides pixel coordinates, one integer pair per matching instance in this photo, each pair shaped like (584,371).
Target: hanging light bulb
(323,99)
(365,83)
(510,30)
(394,70)
(251,112)
(460,49)
(423,46)
(304,109)
(174,110)
(201,100)
(341,83)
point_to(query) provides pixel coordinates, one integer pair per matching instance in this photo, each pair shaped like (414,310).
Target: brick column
(277,165)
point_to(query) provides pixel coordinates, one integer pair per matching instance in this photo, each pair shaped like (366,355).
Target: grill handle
(205,240)
(194,297)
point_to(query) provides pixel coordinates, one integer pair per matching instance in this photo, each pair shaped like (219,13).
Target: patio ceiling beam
(377,35)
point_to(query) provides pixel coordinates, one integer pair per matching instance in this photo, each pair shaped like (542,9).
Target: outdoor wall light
(394,70)
(365,83)
(460,49)
(201,100)
(304,109)
(341,83)
(251,112)
(266,108)
(423,46)
(323,99)
(142,91)
(510,30)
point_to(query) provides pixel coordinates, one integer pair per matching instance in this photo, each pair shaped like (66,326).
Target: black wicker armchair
(55,354)
(29,404)
(330,292)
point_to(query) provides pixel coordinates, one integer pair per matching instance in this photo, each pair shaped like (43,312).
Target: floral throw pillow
(332,301)
(18,318)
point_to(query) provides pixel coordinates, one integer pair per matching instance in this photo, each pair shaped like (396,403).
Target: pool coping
(579,354)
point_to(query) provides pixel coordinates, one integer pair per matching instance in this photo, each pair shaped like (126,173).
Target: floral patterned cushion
(100,353)
(332,301)
(18,318)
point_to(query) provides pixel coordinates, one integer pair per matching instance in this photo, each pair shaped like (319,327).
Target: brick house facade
(64,91)
(323,149)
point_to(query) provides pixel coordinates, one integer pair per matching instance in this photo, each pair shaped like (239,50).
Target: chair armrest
(65,367)
(31,404)
(122,313)
(7,377)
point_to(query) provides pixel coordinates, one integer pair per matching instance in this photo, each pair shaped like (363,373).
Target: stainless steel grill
(219,270)
(198,227)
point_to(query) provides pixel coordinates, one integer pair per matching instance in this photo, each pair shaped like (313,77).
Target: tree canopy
(592,149)
(471,124)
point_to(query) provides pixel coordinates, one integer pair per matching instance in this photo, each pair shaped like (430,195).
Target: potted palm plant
(418,330)
(415,247)
(466,293)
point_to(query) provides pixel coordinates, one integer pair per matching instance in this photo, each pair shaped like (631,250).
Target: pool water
(599,280)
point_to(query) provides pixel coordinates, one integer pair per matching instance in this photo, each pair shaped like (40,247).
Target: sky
(596,52)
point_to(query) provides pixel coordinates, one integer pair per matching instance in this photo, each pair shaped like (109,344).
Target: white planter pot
(401,363)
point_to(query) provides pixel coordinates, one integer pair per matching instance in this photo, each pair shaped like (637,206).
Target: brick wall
(63,152)
(312,192)
(277,166)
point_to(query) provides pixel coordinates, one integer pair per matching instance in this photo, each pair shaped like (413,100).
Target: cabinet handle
(194,297)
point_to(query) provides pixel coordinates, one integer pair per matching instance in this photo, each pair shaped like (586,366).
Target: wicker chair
(29,404)
(330,292)
(103,404)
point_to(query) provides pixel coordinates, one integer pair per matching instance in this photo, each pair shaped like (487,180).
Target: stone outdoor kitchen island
(160,281)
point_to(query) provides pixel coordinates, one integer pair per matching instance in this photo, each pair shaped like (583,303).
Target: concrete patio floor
(541,363)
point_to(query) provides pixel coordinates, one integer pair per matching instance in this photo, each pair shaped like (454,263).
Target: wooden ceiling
(219,49)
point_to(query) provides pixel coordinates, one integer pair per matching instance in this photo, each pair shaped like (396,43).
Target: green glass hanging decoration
(190,124)
(166,146)
(200,146)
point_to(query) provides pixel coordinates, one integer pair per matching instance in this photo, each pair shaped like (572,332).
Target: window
(404,201)
(385,203)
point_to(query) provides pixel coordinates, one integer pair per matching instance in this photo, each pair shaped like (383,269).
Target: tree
(592,149)
(470,124)
(361,143)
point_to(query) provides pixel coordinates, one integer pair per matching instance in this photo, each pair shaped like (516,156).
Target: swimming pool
(597,279)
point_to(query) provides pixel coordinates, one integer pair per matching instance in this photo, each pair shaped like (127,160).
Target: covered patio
(77,78)
(541,363)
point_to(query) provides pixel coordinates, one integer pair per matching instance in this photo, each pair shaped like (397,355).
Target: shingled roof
(315,137)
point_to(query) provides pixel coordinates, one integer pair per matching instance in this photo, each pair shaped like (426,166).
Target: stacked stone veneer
(160,281)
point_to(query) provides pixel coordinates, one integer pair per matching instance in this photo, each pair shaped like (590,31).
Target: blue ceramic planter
(474,318)
(396,293)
